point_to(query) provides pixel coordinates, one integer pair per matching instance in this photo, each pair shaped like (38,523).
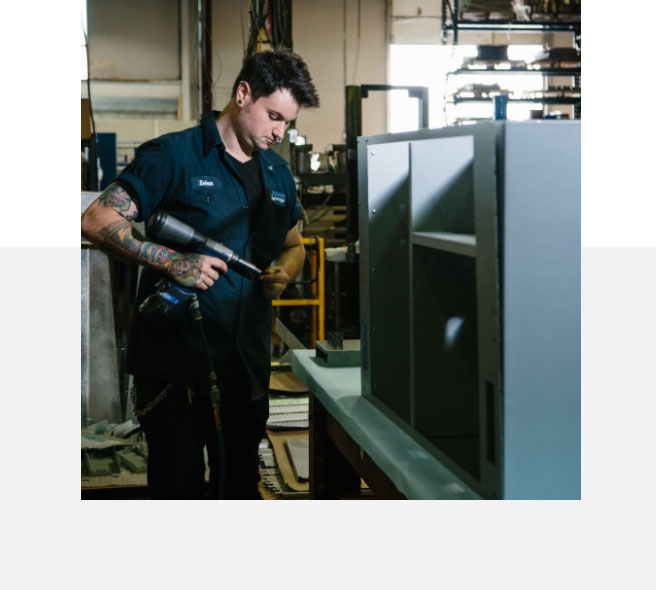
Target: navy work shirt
(188,175)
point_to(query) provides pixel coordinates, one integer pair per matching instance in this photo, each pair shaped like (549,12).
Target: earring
(239,102)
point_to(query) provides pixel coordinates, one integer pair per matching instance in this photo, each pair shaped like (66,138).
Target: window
(429,65)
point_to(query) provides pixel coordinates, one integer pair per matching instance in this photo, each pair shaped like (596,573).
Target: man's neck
(226,126)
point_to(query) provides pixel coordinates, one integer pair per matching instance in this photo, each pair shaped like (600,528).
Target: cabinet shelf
(463,244)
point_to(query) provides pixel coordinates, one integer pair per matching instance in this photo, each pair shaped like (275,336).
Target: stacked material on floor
(299,457)
(289,413)
(285,383)
(285,466)
(288,402)
(279,472)
(113,455)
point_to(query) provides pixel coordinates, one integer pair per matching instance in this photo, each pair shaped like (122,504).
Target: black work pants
(179,427)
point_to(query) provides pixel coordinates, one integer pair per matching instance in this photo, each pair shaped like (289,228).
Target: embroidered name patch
(205,182)
(278,198)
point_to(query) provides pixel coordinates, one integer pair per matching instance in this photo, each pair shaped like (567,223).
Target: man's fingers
(210,273)
(204,282)
(274,275)
(216,263)
(273,279)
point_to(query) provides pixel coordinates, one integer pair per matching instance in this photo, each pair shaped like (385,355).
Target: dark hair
(268,71)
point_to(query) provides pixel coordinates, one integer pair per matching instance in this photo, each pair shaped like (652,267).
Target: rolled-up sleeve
(293,207)
(296,214)
(149,175)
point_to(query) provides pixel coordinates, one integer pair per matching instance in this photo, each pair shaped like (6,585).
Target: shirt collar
(211,139)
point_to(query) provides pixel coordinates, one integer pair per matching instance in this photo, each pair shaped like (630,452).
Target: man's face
(263,121)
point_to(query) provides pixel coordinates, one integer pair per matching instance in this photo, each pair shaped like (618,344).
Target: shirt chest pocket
(276,224)
(272,226)
(205,188)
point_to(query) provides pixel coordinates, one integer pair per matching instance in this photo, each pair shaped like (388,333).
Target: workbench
(351,438)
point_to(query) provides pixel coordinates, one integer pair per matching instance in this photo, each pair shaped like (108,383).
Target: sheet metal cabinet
(470,298)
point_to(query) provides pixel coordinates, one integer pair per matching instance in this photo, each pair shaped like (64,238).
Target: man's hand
(195,270)
(274,280)
(107,223)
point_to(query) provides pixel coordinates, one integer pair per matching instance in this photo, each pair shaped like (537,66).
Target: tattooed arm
(107,224)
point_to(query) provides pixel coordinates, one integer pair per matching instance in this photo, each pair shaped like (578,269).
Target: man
(221,179)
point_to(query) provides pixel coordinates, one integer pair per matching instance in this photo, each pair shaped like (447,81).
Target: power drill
(171,300)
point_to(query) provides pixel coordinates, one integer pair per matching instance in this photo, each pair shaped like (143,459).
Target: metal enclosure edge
(504,400)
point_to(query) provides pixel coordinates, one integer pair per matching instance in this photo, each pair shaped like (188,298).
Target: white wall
(134,39)
(229,29)
(342,49)
(141,55)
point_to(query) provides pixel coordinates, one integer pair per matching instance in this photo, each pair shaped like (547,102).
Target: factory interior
(474,316)
(430,346)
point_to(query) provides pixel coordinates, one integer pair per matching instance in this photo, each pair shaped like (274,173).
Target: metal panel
(488,306)
(99,354)
(84,337)
(541,319)
(384,273)
(101,389)
(442,184)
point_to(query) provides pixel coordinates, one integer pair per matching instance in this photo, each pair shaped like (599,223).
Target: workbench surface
(416,473)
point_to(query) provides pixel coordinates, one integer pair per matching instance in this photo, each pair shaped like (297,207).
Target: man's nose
(279,129)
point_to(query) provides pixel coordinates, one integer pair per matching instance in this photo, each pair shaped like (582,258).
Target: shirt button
(270,167)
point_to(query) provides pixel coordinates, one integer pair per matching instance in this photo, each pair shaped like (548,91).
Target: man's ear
(243,91)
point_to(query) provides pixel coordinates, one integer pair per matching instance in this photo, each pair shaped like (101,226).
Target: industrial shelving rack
(451,22)
(548,100)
